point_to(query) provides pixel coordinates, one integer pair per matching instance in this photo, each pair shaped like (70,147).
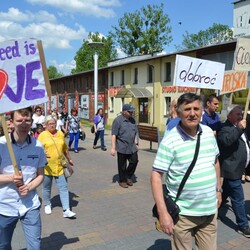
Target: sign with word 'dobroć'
(22,81)
(198,73)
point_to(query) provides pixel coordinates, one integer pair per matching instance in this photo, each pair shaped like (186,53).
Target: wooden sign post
(11,152)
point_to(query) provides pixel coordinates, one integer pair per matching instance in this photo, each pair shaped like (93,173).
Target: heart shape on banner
(3,82)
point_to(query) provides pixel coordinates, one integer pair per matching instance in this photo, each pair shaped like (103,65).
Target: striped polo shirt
(174,156)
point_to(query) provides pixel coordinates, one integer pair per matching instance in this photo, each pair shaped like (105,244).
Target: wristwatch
(219,190)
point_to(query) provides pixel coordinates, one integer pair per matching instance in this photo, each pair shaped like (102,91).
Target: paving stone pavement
(110,217)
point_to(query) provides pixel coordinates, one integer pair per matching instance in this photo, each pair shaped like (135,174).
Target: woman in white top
(37,118)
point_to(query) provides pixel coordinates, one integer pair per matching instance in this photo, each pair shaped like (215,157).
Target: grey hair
(187,98)
(49,118)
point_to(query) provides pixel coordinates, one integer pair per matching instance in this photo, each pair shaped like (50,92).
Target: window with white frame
(167,105)
(168,72)
(150,73)
(136,76)
(112,79)
(122,77)
(111,109)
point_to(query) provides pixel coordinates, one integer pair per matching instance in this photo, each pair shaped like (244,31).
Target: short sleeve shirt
(73,125)
(125,131)
(29,157)
(54,166)
(174,156)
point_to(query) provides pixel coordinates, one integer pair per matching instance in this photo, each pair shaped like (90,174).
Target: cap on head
(231,107)
(128,107)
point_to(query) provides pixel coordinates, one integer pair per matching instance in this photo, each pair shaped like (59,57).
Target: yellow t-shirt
(53,168)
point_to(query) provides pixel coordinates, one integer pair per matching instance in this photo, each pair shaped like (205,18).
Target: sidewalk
(110,217)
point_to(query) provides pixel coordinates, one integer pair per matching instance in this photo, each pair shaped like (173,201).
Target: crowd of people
(39,147)
(223,157)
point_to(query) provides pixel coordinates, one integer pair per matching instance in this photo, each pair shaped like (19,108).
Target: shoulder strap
(55,144)
(190,167)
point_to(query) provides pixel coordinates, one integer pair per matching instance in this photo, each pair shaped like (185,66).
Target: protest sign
(22,71)
(24,80)
(234,81)
(242,55)
(198,73)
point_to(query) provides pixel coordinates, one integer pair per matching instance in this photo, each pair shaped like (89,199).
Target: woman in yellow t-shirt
(56,149)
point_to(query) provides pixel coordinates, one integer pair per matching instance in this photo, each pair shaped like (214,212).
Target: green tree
(143,32)
(84,56)
(217,33)
(53,73)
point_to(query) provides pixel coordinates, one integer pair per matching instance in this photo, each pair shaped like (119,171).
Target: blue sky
(63,24)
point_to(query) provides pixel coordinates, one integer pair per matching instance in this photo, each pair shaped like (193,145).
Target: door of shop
(143,110)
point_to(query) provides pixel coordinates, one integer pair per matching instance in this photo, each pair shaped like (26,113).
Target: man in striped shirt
(201,195)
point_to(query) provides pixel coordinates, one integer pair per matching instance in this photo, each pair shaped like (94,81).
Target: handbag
(67,168)
(172,207)
(82,135)
(93,127)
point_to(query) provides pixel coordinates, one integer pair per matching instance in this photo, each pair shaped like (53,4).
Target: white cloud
(52,35)
(16,15)
(65,67)
(98,8)
(120,53)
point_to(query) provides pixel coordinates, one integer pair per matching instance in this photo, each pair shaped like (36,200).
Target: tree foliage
(143,32)
(217,33)
(53,73)
(84,56)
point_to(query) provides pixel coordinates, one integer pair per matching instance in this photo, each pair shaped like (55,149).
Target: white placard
(198,73)
(21,76)
(242,55)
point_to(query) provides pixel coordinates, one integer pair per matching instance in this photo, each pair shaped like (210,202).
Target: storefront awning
(134,92)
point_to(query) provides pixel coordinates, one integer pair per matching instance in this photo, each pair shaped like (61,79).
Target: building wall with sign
(241,18)
(153,73)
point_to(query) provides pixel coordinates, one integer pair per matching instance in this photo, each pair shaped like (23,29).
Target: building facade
(241,18)
(146,82)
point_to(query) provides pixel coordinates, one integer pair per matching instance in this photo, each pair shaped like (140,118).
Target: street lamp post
(95,46)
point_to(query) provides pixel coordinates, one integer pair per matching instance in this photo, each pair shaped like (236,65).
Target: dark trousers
(125,172)
(99,134)
(233,189)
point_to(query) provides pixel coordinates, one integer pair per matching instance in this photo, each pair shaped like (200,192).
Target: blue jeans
(72,137)
(99,134)
(233,189)
(31,224)
(62,187)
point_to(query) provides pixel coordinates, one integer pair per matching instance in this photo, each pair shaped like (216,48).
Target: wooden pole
(11,152)
(45,72)
(231,98)
(247,105)
(198,91)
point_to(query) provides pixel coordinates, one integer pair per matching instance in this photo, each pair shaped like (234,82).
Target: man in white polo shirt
(201,195)
(18,196)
